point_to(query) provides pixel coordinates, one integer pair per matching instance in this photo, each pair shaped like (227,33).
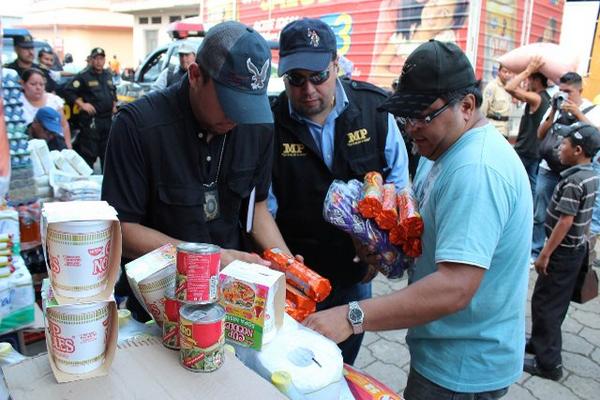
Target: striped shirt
(574,195)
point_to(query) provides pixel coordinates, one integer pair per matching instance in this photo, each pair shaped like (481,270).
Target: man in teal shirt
(465,305)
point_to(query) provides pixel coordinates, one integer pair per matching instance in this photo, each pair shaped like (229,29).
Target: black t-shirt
(158,161)
(527,144)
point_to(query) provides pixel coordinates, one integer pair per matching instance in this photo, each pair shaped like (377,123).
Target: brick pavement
(385,355)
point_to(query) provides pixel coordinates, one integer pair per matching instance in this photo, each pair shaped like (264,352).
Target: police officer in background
(497,101)
(326,129)
(172,74)
(93,91)
(25,56)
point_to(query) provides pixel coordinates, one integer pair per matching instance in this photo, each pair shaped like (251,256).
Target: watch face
(355,315)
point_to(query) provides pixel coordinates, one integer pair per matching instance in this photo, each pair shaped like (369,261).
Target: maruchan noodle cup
(202,336)
(171,322)
(78,335)
(153,290)
(78,255)
(197,275)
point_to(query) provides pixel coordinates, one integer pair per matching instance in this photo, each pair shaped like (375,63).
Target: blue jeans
(531,166)
(340,296)
(546,182)
(420,388)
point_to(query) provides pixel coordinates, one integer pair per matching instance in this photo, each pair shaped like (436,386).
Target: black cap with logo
(97,51)
(586,136)
(433,69)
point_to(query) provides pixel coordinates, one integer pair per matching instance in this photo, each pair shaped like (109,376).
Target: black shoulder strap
(588,109)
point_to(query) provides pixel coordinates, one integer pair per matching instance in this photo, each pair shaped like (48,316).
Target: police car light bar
(189,27)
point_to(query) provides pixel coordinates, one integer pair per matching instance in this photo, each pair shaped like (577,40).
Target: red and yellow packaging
(371,203)
(387,218)
(197,276)
(299,275)
(202,336)
(365,387)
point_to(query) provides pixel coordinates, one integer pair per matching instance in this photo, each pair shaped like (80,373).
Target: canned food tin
(197,276)
(170,337)
(202,335)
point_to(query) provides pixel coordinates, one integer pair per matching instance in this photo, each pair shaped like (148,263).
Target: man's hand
(366,253)
(228,256)
(88,108)
(569,106)
(535,64)
(541,264)
(332,323)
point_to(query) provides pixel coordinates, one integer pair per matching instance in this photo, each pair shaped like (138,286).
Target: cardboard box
(254,300)
(142,369)
(57,212)
(158,263)
(49,301)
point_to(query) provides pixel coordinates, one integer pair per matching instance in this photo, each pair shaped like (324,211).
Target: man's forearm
(264,229)
(516,81)
(139,240)
(442,293)
(545,126)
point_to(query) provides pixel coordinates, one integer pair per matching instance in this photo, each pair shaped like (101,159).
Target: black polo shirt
(158,161)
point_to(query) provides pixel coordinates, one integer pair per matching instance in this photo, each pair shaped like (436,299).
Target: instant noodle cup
(78,336)
(153,290)
(78,255)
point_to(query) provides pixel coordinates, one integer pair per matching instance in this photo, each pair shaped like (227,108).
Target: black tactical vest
(301,178)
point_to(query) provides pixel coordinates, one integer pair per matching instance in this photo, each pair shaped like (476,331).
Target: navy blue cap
(25,41)
(432,69)
(306,44)
(50,119)
(238,60)
(97,51)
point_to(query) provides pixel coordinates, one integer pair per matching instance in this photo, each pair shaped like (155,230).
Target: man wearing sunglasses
(465,304)
(326,129)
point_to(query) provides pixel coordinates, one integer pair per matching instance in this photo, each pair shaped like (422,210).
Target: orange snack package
(371,202)
(297,313)
(299,275)
(387,218)
(408,214)
(300,300)
(412,247)
(365,387)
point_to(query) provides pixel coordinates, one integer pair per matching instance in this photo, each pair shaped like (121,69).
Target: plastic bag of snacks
(341,210)
(407,233)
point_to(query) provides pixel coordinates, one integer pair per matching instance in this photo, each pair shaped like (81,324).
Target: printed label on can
(202,337)
(170,337)
(198,276)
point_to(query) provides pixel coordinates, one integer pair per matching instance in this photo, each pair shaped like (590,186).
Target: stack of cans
(194,321)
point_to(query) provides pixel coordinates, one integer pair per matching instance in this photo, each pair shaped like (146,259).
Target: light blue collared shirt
(395,150)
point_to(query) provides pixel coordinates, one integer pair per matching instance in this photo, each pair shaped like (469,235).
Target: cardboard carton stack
(82,248)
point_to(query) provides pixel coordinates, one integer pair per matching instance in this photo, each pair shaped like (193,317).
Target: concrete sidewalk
(385,355)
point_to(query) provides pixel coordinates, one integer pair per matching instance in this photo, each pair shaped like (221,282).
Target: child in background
(568,219)
(47,126)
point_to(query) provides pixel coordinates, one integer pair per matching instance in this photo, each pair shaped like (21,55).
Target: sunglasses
(426,119)
(298,80)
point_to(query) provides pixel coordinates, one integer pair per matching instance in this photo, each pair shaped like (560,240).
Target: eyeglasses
(298,80)
(426,119)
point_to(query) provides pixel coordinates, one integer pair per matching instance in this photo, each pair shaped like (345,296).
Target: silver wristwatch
(356,317)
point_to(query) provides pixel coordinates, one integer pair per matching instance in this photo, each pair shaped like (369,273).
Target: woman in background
(35,97)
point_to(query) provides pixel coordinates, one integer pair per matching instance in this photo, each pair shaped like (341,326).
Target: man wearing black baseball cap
(94,92)
(465,306)
(327,128)
(192,162)
(25,56)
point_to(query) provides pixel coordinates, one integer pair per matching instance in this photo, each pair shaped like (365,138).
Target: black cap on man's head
(306,44)
(586,136)
(97,51)
(25,41)
(433,69)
